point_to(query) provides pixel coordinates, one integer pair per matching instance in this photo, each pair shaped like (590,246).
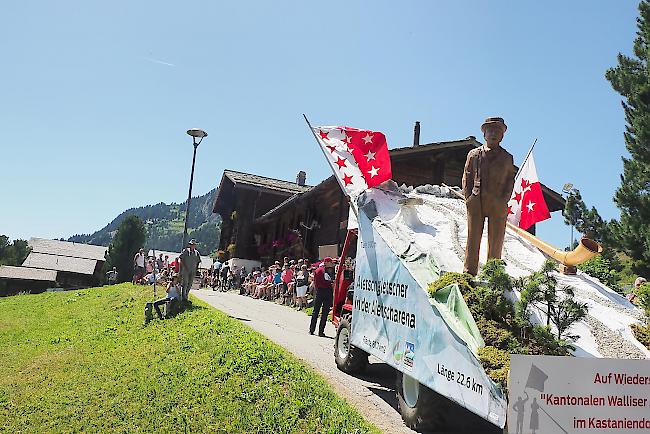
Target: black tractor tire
(349,359)
(426,411)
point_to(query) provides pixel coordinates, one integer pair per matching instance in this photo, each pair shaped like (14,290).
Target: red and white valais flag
(527,206)
(359,158)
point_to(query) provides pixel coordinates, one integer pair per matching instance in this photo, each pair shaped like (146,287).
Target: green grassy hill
(81,361)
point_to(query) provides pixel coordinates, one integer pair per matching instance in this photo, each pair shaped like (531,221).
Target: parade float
(449,336)
(408,239)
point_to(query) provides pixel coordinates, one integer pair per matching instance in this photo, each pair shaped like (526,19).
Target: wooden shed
(73,265)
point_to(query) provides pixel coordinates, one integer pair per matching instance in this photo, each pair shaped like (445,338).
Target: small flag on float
(359,158)
(527,206)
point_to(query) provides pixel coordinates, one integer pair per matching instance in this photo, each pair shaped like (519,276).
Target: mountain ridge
(164,225)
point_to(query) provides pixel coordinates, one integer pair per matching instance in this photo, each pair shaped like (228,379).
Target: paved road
(373,394)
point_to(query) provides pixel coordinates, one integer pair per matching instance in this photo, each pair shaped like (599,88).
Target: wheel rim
(410,390)
(343,343)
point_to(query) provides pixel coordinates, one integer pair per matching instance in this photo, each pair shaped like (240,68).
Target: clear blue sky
(95,98)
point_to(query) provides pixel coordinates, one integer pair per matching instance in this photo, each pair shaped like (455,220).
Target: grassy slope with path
(81,361)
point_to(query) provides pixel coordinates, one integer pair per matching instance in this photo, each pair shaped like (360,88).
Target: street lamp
(568,189)
(197,137)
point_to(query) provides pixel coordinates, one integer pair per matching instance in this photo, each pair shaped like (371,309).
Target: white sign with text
(395,321)
(578,395)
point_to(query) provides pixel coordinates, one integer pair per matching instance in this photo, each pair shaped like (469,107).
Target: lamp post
(197,137)
(569,190)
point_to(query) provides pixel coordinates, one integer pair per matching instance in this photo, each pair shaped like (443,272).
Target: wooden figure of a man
(488,180)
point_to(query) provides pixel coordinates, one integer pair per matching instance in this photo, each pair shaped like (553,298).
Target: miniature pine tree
(563,314)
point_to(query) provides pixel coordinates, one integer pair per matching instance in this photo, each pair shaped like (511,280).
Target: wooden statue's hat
(494,120)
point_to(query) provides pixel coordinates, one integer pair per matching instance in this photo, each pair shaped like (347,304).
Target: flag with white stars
(527,205)
(359,158)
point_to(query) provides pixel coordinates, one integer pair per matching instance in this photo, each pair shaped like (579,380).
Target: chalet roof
(426,147)
(68,249)
(26,273)
(264,182)
(61,263)
(295,198)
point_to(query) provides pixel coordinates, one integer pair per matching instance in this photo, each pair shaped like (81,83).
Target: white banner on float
(395,321)
(578,395)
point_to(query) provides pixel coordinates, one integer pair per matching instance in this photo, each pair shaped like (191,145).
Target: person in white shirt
(172,294)
(138,266)
(302,283)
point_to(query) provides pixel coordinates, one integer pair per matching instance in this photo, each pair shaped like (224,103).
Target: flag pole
(527,155)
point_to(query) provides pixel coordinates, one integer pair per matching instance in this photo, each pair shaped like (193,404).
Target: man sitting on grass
(172,295)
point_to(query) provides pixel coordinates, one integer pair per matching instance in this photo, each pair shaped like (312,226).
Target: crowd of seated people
(287,283)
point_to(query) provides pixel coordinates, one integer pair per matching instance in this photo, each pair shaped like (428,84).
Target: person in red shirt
(176,265)
(323,280)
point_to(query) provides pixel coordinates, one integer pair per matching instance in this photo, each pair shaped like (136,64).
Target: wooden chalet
(242,198)
(302,223)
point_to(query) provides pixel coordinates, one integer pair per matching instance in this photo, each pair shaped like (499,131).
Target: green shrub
(465,282)
(643,294)
(567,312)
(496,363)
(540,290)
(527,288)
(642,334)
(602,269)
(543,342)
(487,299)
(495,276)
(496,335)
